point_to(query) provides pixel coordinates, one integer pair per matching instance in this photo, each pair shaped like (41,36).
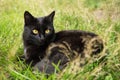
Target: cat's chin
(41,44)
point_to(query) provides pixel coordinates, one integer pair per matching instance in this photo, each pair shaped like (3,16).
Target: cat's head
(38,31)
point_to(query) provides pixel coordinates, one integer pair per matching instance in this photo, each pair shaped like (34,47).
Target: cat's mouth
(39,42)
(42,42)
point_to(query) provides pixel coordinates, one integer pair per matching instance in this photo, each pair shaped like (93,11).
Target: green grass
(99,16)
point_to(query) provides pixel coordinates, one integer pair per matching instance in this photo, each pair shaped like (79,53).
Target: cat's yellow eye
(35,31)
(47,31)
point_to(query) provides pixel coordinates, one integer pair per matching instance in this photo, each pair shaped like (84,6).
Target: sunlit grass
(99,16)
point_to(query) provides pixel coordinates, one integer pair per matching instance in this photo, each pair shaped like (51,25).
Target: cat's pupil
(47,31)
(35,31)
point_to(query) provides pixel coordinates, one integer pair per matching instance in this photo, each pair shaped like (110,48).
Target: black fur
(66,46)
(35,45)
(44,49)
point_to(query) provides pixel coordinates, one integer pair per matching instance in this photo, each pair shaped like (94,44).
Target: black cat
(43,47)
(38,34)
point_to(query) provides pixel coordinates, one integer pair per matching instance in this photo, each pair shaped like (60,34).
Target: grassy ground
(99,16)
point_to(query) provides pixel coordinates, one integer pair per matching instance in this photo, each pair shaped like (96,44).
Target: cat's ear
(28,18)
(50,17)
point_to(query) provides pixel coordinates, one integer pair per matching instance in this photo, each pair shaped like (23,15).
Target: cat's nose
(42,37)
